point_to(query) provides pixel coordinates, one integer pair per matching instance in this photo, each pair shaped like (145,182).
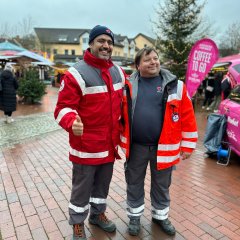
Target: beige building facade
(68,45)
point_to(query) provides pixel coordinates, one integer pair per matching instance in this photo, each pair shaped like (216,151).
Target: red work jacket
(179,130)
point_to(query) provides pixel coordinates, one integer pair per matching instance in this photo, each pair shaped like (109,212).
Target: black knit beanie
(98,30)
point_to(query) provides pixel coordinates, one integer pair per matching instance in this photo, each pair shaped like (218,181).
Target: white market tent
(10,52)
(35,58)
(21,54)
(7,57)
(10,46)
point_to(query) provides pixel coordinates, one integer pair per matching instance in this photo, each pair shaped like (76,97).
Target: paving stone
(26,127)
(35,187)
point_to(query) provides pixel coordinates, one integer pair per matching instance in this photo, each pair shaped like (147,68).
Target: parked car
(230,107)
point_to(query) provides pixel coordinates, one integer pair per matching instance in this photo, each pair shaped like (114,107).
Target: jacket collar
(166,75)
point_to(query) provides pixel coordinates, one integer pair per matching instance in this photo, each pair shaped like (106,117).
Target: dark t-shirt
(147,119)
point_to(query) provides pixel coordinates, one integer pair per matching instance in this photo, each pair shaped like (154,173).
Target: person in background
(227,84)
(89,109)
(208,85)
(8,98)
(159,129)
(218,76)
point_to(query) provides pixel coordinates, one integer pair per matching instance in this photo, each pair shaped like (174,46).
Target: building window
(66,51)
(62,38)
(73,52)
(85,40)
(48,52)
(54,51)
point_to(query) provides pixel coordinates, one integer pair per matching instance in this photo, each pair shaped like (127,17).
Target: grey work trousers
(215,103)
(90,184)
(135,172)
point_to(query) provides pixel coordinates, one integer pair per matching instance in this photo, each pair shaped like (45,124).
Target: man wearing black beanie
(89,109)
(98,30)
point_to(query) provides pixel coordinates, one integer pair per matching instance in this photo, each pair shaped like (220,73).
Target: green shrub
(30,87)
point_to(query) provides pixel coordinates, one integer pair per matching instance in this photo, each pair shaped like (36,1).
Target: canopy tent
(27,56)
(20,54)
(8,57)
(10,46)
(33,57)
(10,52)
(5,59)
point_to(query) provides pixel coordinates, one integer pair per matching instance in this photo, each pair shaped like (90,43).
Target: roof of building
(147,37)
(71,36)
(57,35)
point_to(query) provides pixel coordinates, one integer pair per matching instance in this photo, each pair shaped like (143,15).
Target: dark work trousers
(135,172)
(90,184)
(208,98)
(8,114)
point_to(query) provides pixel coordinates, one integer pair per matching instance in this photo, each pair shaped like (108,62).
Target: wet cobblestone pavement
(35,186)
(26,127)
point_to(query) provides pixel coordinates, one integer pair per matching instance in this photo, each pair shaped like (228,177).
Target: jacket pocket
(94,140)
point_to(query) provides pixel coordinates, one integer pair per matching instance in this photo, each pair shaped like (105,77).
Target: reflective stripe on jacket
(179,130)
(97,100)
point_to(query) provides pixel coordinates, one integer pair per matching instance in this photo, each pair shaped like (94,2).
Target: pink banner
(202,57)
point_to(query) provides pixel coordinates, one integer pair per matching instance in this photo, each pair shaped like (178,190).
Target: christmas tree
(177,21)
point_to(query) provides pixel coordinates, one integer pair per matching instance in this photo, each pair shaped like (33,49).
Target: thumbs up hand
(77,126)
(185,155)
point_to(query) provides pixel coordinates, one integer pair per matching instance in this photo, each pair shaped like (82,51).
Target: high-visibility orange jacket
(179,130)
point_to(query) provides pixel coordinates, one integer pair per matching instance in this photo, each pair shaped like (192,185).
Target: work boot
(134,227)
(79,232)
(166,226)
(103,222)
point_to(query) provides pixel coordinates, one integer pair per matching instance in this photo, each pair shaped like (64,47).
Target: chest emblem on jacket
(159,89)
(175,117)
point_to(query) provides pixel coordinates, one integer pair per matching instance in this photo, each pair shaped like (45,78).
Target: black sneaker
(103,222)
(79,232)
(166,226)
(134,227)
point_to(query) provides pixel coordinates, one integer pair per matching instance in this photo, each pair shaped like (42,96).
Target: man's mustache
(105,49)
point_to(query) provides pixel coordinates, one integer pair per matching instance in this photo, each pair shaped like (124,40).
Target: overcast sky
(126,17)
